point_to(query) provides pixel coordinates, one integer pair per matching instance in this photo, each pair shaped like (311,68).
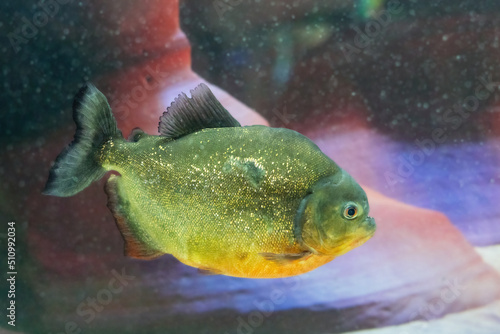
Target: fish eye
(351,211)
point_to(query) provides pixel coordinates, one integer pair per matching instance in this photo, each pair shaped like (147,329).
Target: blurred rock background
(364,94)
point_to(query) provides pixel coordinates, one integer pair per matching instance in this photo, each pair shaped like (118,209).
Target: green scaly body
(217,198)
(254,201)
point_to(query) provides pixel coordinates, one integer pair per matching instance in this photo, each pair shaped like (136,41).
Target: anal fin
(134,247)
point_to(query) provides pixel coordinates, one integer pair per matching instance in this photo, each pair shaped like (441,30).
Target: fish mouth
(370,225)
(366,232)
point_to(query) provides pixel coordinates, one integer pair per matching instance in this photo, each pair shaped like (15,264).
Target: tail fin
(77,166)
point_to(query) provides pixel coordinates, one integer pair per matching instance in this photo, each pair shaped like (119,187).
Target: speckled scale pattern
(221,196)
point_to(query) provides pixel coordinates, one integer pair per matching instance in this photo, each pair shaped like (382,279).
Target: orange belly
(256,266)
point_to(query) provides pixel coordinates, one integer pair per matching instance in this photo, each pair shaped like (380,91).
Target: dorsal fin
(187,115)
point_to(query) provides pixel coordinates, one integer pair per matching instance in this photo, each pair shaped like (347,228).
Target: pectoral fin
(286,258)
(208,271)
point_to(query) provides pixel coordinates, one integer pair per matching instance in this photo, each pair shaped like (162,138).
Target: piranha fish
(251,201)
